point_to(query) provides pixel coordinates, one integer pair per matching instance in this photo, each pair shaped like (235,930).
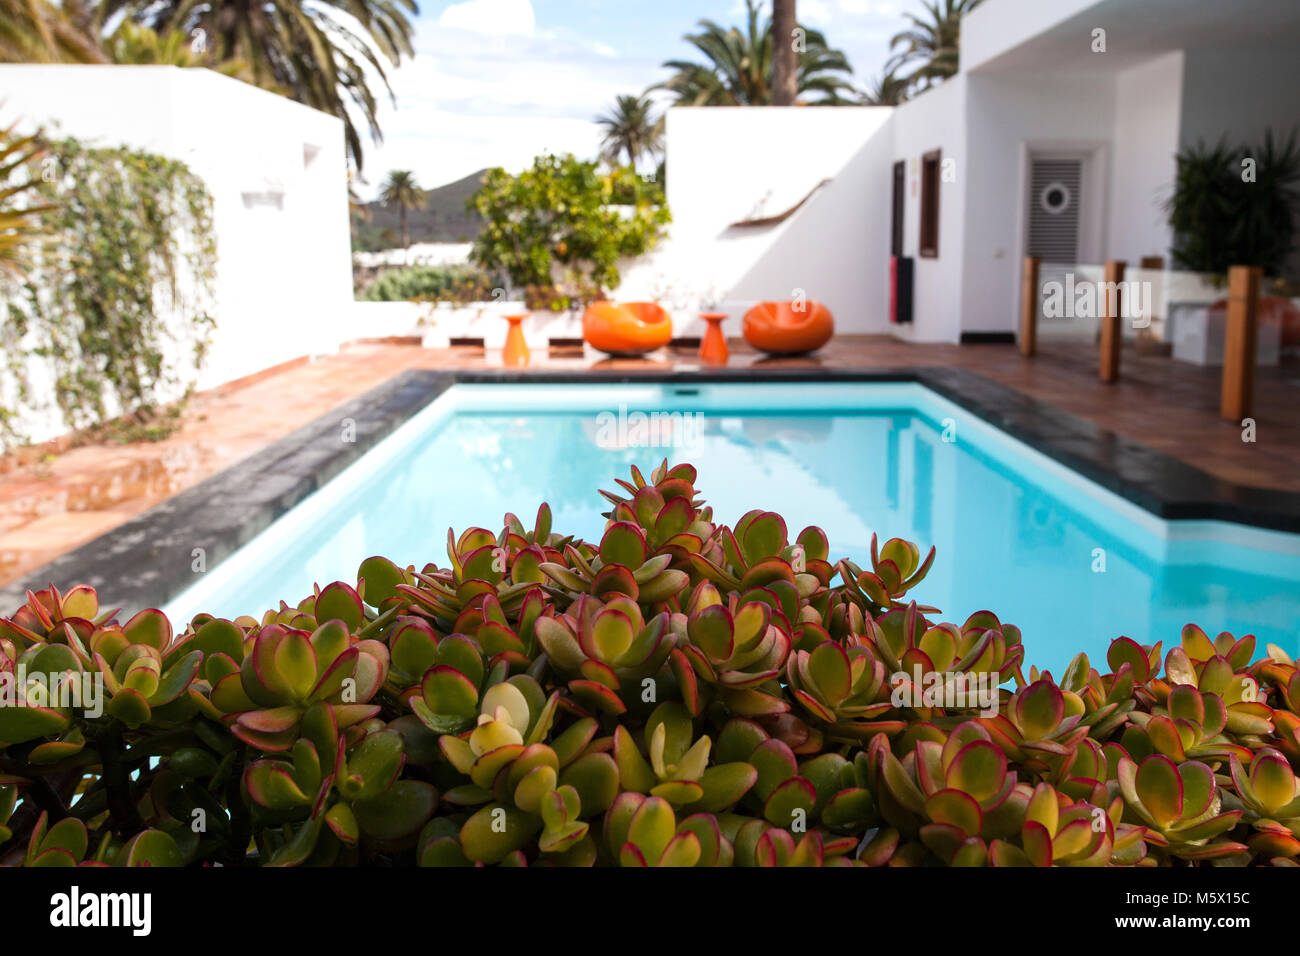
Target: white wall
(1148,105)
(836,248)
(997,27)
(284,279)
(934,120)
(731,163)
(436,325)
(1007,118)
(1239,93)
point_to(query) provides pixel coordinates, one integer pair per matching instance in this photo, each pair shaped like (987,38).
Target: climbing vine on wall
(117,301)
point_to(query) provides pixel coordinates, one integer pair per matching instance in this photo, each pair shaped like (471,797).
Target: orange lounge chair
(626,328)
(788,328)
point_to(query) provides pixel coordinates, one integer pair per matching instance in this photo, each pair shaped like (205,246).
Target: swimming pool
(1069,562)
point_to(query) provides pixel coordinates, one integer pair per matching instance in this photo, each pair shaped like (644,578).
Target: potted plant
(1237,206)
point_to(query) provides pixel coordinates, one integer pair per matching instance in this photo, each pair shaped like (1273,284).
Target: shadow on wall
(835,247)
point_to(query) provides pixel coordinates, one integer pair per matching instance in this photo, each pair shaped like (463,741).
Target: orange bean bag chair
(626,328)
(788,328)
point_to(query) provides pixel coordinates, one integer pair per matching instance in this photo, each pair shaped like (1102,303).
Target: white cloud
(491,86)
(467,101)
(876,7)
(491,17)
(825,15)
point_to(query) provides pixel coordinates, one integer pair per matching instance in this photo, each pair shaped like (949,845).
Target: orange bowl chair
(626,328)
(788,328)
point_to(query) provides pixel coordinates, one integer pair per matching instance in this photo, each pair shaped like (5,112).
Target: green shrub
(679,693)
(1236,205)
(430,283)
(560,215)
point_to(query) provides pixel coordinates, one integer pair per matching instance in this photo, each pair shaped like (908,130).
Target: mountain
(443,219)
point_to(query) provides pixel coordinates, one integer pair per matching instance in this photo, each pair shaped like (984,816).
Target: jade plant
(678,693)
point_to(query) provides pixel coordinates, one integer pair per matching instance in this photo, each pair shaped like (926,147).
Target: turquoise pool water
(1016,533)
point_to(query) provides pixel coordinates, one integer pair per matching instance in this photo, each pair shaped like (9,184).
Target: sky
(495,82)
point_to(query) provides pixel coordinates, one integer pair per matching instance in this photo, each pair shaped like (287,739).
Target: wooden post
(1028,339)
(1112,334)
(1240,338)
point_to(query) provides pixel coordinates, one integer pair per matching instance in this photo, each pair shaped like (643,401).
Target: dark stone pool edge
(149,559)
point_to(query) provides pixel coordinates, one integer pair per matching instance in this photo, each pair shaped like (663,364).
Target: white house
(1057,138)
(277,173)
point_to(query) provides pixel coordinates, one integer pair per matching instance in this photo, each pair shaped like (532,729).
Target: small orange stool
(713,347)
(626,328)
(788,328)
(515,353)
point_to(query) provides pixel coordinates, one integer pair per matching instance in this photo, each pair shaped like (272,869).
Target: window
(896,223)
(929,243)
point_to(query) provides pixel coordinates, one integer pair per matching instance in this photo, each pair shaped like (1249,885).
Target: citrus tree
(565,220)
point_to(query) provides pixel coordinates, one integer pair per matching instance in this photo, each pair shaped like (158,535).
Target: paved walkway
(53,506)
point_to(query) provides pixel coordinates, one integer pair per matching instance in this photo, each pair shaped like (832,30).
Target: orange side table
(713,347)
(515,354)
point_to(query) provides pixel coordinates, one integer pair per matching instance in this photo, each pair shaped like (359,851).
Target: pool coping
(152,556)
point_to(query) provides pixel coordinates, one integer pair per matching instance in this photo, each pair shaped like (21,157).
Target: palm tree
(739,70)
(37,31)
(785,60)
(935,42)
(889,89)
(631,127)
(401,190)
(356,205)
(325,53)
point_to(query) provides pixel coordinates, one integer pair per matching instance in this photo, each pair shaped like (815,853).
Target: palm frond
(334,55)
(20,208)
(737,66)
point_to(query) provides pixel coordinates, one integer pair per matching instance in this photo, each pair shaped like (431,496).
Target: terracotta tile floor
(54,506)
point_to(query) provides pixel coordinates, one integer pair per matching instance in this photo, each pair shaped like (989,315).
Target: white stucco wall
(998,27)
(934,120)
(1148,105)
(1008,119)
(731,163)
(284,281)
(1240,94)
